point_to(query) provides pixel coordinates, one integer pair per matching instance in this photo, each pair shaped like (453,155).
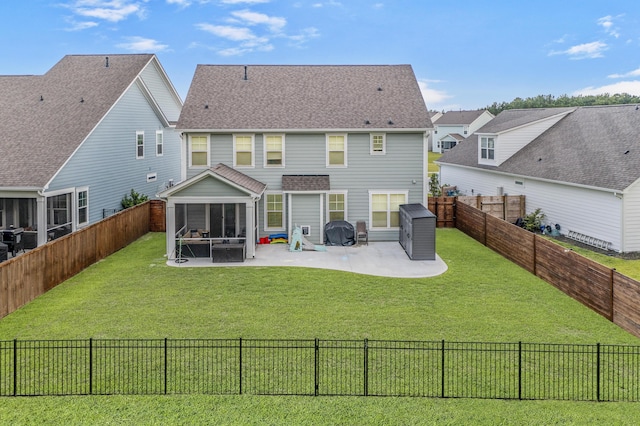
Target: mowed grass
(431,166)
(482,297)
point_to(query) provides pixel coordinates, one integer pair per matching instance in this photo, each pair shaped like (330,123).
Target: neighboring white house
(580,166)
(76,140)
(454,126)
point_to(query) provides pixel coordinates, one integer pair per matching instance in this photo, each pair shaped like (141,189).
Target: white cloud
(606,22)
(79,26)
(634,73)
(181,3)
(630,87)
(304,36)
(274,23)
(108,10)
(583,51)
(228,32)
(432,97)
(141,44)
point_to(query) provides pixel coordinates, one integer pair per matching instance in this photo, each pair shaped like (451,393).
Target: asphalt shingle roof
(592,146)
(458,117)
(304,97)
(239,178)
(306,183)
(43,119)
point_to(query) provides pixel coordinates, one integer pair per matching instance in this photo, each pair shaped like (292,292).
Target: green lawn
(432,167)
(482,297)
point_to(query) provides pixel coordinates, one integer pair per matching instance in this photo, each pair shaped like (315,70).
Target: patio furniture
(362,232)
(228,252)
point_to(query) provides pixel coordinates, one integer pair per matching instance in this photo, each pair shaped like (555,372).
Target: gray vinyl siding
(306,211)
(211,187)
(106,162)
(164,96)
(305,153)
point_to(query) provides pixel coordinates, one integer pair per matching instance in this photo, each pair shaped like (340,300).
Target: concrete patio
(385,259)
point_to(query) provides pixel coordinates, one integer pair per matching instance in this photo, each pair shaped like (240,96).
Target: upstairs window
(378,144)
(243,151)
(139,144)
(336,150)
(198,151)
(274,151)
(487,148)
(159,143)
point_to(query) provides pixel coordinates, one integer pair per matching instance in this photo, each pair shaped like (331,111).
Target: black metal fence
(320,367)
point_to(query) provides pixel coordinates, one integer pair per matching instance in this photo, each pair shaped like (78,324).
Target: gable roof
(304,97)
(592,146)
(44,118)
(513,118)
(224,173)
(458,117)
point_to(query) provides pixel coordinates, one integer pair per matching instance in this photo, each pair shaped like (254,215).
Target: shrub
(133,199)
(434,185)
(533,221)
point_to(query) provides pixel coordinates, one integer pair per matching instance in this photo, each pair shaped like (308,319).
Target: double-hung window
(378,144)
(273,151)
(487,148)
(159,143)
(336,150)
(384,208)
(139,144)
(243,151)
(198,151)
(82,200)
(337,205)
(274,211)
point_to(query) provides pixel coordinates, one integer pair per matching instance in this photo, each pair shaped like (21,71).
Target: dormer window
(487,148)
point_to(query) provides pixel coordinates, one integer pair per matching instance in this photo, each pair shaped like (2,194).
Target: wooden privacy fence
(507,207)
(604,290)
(31,274)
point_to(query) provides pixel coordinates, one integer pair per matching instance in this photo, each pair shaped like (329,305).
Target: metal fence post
(91,366)
(316,367)
(240,365)
(366,367)
(165,366)
(598,373)
(15,367)
(442,367)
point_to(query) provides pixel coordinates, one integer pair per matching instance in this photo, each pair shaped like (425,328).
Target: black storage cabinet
(418,232)
(4,252)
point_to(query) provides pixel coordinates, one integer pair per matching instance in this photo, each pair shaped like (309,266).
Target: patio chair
(361,232)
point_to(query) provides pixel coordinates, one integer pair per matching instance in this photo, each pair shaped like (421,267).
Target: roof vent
(367,122)
(81,100)
(106,62)
(626,152)
(41,98)
(245,73)
(390,122)
(379,89)
(206,106)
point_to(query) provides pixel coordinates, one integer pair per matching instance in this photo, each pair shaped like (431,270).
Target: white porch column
(250,229)
(171,227)
(41,213)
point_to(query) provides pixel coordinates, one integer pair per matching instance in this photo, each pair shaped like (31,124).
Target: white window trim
(77,207)
(487,161)
(265,212)
(264,151)
(189,151)
(253,151)
(384,144)
(386,192)
(346,213)
(139,133)
(339,166)
(160,144)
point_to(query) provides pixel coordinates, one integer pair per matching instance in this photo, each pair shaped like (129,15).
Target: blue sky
(465,54)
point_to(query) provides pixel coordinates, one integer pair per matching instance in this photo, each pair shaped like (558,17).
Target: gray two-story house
(269,148)
(77,139)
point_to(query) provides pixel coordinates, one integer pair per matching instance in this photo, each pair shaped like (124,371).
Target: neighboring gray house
(579,165)
(452,127)
(77,139)
(267,148)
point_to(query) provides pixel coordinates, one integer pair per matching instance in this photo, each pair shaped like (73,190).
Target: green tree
(132,199)
(550,101)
